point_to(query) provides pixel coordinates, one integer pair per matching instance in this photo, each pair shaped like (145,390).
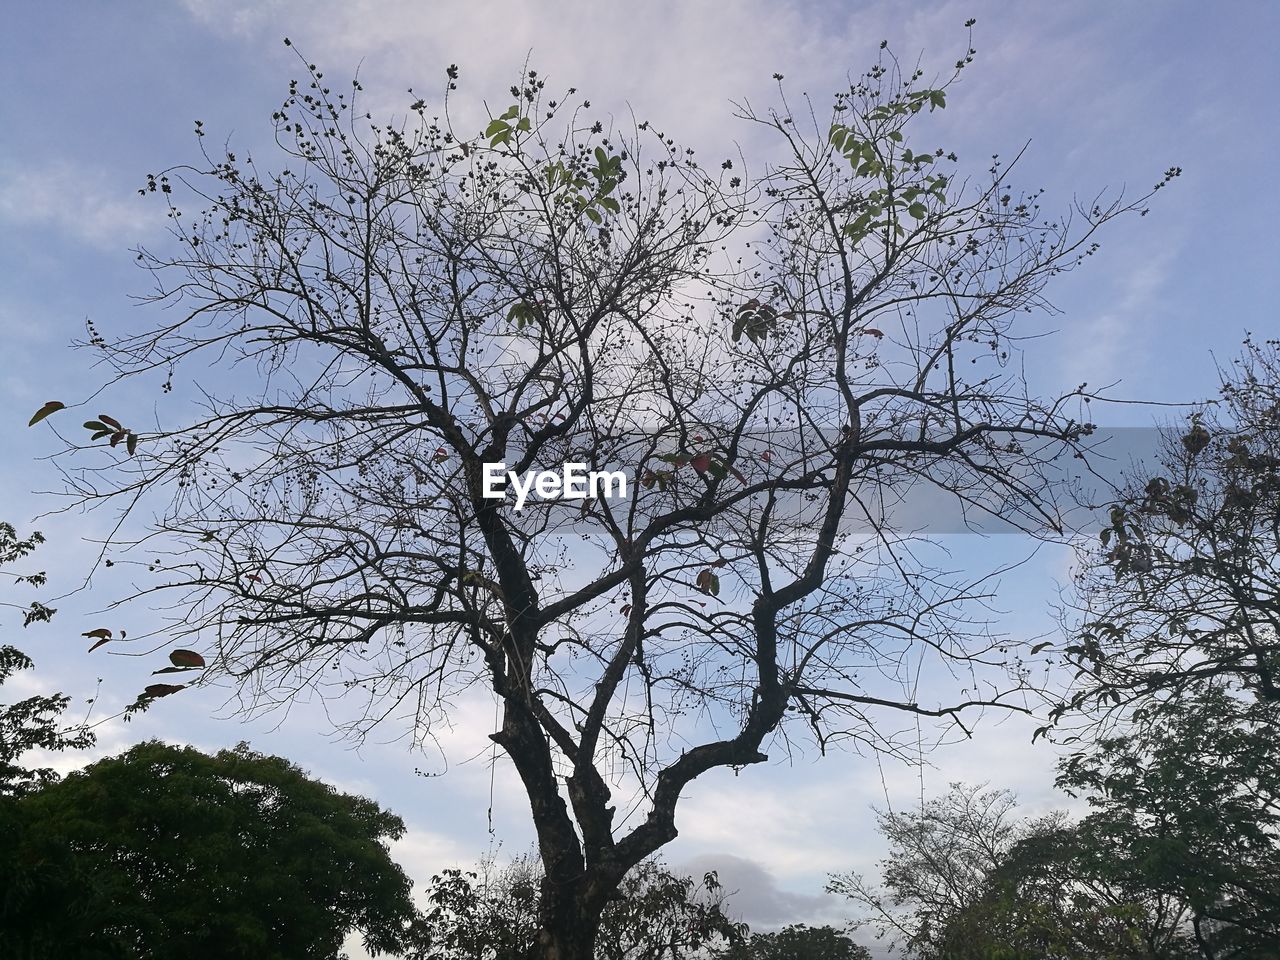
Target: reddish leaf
(117,437)
(163,689)
(873,332)
(186,658)
(101,632)
(701,463)
(626,609)
(110,421)
(53,406)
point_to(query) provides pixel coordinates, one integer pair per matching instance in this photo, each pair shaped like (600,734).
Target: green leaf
(496,127)
(938,99)
(53,406)
(95,425)
(524,125)
(512,112)
(708,583)
(918,211)
(593,215)
(520,314)
(610,204)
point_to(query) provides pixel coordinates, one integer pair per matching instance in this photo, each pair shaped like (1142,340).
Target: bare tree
(773,358)
(940,859)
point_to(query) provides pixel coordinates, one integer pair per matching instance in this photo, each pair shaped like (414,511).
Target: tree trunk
(568,924)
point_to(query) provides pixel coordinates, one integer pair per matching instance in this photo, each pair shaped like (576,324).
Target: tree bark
(569,923)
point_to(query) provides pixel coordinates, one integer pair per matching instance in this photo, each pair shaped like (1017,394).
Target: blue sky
(1107,94)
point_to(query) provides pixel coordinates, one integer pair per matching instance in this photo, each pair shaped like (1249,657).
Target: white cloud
(78,201)
(755,895)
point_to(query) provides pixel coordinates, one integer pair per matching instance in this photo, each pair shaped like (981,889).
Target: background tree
(1053,897)
(1186,807)
(657,915)
(1177,859)
(33,722)
(940,858)
(774,355)
(1182,592)
(797,942)
(169,852)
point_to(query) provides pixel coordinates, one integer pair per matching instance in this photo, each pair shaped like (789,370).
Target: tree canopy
(169,852)
(797,942)
(1186,809)
(1182,591)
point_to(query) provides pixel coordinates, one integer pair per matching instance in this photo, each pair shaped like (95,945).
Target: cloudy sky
(1106,95)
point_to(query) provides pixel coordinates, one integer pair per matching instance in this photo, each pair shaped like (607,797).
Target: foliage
(394,306)
(1183,589)
(1186,807)
(797,942)
(169,852)
(657,915)
(33,722)
(967,878)
(1047,900)
(1179,856)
